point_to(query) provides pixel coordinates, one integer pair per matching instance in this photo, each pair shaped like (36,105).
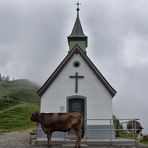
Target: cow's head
(35,117)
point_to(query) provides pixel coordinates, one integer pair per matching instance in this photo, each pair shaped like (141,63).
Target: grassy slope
(17,100)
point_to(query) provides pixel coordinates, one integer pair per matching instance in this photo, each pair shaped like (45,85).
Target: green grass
(18,99)
(17,118)
(145,140)
(19,90)
(120,133)
(5,103)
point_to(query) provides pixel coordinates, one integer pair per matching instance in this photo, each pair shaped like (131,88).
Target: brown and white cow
(63,122)
(134,127)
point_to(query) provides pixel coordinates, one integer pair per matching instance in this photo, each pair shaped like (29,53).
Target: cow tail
(82,136)
(82,127)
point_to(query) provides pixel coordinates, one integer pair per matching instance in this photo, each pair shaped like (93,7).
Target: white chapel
(77,85)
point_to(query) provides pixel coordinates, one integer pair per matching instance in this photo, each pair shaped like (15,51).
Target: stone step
(89,142)
(72,145)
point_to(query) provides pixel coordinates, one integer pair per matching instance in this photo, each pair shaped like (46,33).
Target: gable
(76,50)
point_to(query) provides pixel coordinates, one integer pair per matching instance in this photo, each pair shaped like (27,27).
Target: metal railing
(115,126)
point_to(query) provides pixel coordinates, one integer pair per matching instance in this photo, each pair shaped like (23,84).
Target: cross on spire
(77,35)
(78,4)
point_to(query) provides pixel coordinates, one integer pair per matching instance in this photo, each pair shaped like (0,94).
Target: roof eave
(76,50)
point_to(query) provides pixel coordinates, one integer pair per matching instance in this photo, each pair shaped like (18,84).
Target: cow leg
(78,138)
(49,138)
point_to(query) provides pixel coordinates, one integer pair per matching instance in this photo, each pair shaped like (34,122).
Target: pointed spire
(77,29)
(77,33)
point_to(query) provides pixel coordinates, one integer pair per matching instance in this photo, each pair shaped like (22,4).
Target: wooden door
(76,105)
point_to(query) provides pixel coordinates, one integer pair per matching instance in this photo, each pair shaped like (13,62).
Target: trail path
(9,108)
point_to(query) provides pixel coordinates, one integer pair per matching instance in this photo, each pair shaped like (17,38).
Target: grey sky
(33,41)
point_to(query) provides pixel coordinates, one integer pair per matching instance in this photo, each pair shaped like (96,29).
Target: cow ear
(36,112)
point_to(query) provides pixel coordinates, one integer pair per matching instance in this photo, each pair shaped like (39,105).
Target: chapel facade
(77,85)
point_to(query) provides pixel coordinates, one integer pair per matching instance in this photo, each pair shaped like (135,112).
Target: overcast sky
(33,41)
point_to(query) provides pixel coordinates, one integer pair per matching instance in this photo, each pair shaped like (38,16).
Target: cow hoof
(49,145)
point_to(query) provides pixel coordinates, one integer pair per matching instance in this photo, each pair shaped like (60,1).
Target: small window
(76,64)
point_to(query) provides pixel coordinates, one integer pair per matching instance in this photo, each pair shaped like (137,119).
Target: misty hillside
(18,99)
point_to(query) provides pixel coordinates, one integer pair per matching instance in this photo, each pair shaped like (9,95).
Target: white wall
(99,100)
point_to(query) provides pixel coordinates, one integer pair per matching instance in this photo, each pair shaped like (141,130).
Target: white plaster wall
(99,100)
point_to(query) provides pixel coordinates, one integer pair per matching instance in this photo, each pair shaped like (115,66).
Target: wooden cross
(76,82)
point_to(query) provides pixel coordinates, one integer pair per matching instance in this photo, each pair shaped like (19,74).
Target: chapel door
(76,105)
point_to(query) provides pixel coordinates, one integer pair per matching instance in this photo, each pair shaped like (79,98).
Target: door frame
(85,106)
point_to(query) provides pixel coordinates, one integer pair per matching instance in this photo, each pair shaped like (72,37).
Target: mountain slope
(17,100)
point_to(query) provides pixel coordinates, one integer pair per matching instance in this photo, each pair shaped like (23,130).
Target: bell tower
(77,37)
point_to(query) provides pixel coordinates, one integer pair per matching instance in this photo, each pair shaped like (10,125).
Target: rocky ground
(22,140)
(15,140)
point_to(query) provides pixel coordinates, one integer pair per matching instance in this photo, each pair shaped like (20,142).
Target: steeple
(77,36)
